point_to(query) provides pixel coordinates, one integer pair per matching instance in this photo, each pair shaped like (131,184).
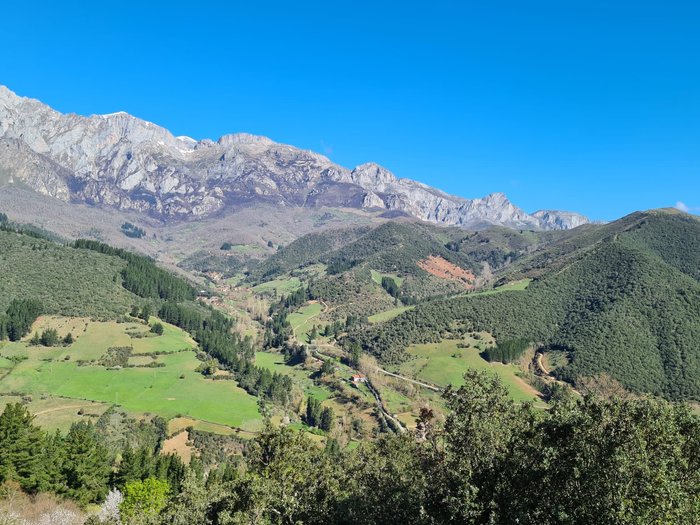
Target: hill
(625,301)
(66,280)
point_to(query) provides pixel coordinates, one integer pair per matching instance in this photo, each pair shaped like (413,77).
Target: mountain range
(122,162)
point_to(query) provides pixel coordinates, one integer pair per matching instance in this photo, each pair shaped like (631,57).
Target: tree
(313,411)
(49,337)
(20,316)
(144,500)
(68,339)
(326,420)
(391,287)
(191,504)
(355,354)
(157,329)
(21,449)
(109,511)
(290,480)
(327,368)
(86,468)
(467,457)
(313,334)
(145,312)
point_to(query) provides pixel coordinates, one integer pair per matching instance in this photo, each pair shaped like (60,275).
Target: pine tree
(21,449)
(86,469)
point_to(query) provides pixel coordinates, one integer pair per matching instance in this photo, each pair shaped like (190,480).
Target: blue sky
(588,106)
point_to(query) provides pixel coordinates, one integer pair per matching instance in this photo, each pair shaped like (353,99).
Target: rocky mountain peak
(243,138)
(122,161)
(372,176)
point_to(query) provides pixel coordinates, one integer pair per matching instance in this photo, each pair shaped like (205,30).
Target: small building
(358,378)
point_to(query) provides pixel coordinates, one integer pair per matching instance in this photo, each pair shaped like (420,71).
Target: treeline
(215,335)
(141,275)
(600,461)
(18,319)
(507,351)
(26,229)
(585,461)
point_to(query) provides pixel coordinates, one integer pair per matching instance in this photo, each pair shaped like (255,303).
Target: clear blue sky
(583,105)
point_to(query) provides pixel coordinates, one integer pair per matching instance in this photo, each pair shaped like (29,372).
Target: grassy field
(281,287)
(275,362)
(515,286)
(178,424)
(303,320)
(444,363)
(57,413)
(377,277)
(388,315)
(173,390)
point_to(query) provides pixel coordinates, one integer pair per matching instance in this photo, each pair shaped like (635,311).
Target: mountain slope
(120,161)
(626,303)
(67,281)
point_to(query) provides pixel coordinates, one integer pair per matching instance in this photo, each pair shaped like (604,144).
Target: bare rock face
(121,161)
(559,220)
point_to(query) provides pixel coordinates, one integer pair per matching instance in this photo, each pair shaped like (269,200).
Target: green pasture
(173,390)
(388,315)
(303,320)
(377,277)
(444,363)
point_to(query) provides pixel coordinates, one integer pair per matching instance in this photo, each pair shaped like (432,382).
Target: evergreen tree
(86,467)
(21,449)
(49,337)
(326,419)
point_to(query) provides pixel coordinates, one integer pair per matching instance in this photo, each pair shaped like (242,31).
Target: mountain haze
(120,161)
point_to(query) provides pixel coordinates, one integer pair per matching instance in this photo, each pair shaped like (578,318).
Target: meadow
(282,286)
(377,277)
(388,315)
(444,363)
(302,321)
(275,361)
(170,390)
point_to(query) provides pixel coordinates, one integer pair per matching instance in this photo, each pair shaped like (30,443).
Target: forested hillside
(67,281)
(627,305)
(398,250)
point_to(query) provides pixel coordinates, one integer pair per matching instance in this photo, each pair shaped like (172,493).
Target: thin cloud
(682,206)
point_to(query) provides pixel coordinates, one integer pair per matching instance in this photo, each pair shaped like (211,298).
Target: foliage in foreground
(587,461)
